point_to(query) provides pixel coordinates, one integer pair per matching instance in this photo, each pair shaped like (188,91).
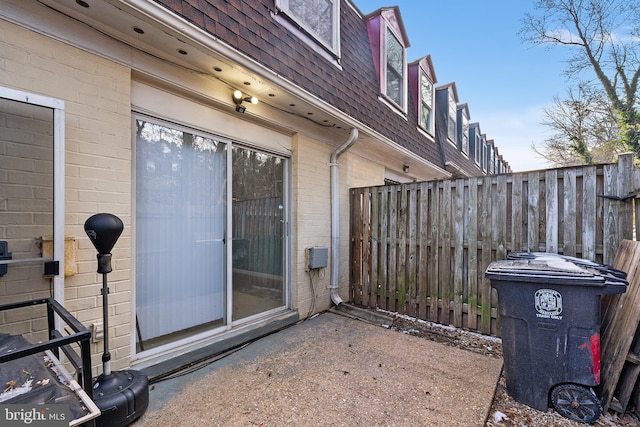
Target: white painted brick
(97,104)
(98,177)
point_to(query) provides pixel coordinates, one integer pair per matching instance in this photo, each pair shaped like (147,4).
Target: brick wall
(311,220)
(312,215)
(96,94)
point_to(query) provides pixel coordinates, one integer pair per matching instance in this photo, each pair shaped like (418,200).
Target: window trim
(424,77)
(384,68)
(483,154)
(452,119)
(490,159)
(477,149)
(463,124)
(190,342)
(283,6)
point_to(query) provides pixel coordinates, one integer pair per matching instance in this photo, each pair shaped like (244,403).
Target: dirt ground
(332,370)
(505,412)
(283,389)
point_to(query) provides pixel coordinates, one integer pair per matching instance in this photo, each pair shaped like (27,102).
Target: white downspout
(335,215)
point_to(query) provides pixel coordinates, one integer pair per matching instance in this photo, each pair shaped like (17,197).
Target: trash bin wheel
(576,402)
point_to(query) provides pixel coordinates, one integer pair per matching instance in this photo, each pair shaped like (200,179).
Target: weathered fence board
(620,318)
(458,253)
(474,278)
(421,249)
(589,212)
(486,238)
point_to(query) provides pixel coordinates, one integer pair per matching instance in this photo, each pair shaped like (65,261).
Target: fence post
(551,222)
(618,217)
(625,189)
(636,202)
(589,212)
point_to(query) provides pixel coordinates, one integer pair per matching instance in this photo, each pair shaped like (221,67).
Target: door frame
(201,338)
(58,176)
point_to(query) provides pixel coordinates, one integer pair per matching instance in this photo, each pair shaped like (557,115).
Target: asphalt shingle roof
(249,27)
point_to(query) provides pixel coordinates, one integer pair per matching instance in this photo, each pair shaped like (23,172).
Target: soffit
(129,25)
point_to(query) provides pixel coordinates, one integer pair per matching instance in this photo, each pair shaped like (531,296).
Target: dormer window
(421,86)
(483,154)
(465,135)
(426,103)
(319,18)
(394,53)
(389,45)
(452,127)
(447,114)
(490,158)
(475,143)
(463,128)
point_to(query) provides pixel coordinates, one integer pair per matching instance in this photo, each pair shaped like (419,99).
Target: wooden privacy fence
(421,249)
(257,235)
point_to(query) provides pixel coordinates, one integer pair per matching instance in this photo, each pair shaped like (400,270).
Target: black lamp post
(121,396)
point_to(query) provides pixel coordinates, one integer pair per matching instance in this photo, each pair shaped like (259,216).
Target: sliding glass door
(183,284)
(258,233)
(180,233)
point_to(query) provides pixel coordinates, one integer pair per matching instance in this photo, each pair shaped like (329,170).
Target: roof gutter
(335,214)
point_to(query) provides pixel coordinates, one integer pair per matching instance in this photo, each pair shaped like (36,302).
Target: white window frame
(334,46)
(198,128)
(478,147)
(383,65)
(464,133)
(483,154)
(490,160)
(452,115)
(423,104)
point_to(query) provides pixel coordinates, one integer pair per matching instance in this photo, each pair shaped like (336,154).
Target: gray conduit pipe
(335,215)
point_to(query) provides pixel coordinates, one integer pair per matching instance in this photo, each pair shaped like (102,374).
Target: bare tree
(604,36)
(585,129)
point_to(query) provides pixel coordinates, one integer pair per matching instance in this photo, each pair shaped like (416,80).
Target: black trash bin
(549,308)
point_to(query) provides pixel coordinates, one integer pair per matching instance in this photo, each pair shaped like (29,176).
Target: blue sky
(506,82)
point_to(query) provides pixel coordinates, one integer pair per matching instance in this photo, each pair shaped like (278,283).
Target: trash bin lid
(544,269)
(601,268)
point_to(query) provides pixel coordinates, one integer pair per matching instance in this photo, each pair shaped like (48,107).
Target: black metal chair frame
(57,341)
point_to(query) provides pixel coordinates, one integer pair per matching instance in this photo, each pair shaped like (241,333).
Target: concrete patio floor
(331,370)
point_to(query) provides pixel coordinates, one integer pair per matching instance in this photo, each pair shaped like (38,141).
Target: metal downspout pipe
(335,215)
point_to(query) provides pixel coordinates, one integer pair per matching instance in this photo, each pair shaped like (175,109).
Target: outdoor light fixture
(405,168)
(238,98)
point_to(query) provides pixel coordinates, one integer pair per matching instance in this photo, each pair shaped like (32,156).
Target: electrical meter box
(318,257)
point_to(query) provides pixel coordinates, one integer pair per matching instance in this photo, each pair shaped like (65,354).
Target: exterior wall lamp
(238,98)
